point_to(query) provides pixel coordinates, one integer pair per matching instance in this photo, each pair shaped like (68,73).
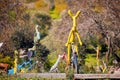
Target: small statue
(36,35)
(1,44)
(54,67)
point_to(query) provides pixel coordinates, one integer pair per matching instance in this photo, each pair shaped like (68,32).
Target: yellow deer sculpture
(71,37)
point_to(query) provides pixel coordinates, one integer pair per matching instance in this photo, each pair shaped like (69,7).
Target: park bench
(96,76)
(43,75)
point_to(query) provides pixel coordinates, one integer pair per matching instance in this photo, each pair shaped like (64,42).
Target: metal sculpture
(15,61)
(71,37)
(36,35)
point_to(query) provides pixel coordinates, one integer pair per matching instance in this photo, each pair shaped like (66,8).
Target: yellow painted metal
(71,37)
(98,60)
(15,61)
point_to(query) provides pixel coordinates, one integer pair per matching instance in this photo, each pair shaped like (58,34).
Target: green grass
(54,14)
(91,60)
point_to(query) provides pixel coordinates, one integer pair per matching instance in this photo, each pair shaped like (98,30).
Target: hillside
(98,25)
(98,19)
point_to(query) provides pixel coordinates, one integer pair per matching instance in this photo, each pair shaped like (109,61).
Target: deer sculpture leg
(78,36)
(69,51)
(68,44)
(69,38)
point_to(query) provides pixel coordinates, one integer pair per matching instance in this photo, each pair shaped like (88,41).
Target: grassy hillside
(93,21)
(97,24)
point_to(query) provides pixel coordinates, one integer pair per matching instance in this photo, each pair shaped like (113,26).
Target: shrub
(28,1)
(41,5)
(60,5)
(6,59)
(41,54)
(44,21)
(21,38)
